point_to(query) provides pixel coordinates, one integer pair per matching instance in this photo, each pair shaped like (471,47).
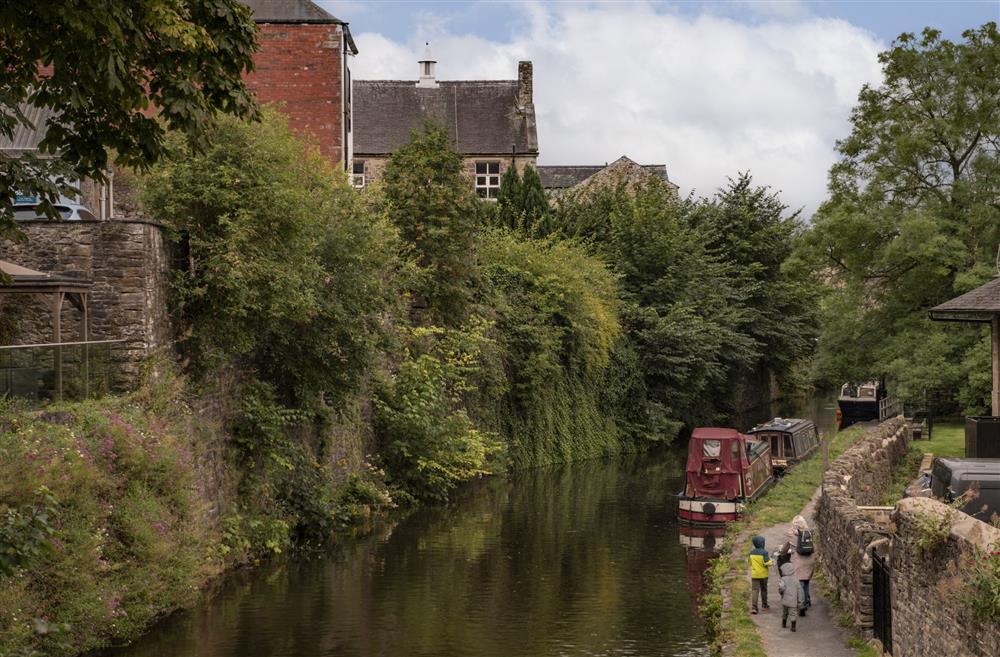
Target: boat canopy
(716,460)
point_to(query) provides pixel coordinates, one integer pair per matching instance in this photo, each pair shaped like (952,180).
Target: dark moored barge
(860,403)
(791,440)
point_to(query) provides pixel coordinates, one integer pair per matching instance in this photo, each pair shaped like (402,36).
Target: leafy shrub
(100,504)
(556,329)
(982,581)
(286,273)
(430,443)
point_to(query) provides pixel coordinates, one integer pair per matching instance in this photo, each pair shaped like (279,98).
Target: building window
(358,174)
(487,179)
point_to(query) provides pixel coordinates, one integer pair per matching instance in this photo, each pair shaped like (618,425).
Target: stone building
(558,179)
(302,64)
(492,122)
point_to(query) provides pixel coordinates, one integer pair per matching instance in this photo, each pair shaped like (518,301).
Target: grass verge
(948,440)
(725,605)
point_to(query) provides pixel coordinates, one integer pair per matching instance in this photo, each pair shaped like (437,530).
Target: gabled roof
(481,116)
(289,11)
(296,11)
(978,305)
(27,138)
(558,177)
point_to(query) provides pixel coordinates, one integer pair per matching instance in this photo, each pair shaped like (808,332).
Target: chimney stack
(524,85)
(427,80)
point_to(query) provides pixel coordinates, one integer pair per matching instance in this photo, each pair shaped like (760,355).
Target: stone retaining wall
(930,612)
(861,476)
(128,263)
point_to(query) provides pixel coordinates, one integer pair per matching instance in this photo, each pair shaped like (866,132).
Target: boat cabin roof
(715,433)
(866,390)
(789,424)
(720,445)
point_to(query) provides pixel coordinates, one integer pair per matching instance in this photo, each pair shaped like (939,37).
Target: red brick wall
(300,66)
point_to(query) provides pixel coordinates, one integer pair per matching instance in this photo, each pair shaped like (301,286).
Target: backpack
(804,545)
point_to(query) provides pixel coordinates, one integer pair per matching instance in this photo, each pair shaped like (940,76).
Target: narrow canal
(582,559)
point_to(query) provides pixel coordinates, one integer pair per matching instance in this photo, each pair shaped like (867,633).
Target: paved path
(818,634)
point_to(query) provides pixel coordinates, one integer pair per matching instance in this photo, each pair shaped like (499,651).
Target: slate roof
(27,138)
(296,11)
(289,11)
(559,177)
(481,116)
(978,305)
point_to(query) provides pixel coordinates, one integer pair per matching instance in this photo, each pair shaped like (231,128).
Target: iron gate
(882,601)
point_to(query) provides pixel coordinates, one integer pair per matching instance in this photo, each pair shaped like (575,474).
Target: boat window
(867,392)
(711,449)
(788,445)
(736,450)
(774,445)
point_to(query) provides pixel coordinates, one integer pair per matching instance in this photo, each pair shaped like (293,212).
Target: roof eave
(946,315)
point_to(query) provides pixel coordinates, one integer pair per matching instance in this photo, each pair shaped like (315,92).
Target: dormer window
(488,179)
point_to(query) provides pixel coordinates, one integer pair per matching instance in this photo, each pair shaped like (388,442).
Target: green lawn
(948,440)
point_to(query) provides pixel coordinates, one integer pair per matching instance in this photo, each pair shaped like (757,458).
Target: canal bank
(726,608)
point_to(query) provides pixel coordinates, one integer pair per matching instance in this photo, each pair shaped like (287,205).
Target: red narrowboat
(725,470)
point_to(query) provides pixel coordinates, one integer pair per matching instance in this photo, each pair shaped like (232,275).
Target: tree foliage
(285,264)
(437,214)
(522,203)
(102,66)
(702,283)
(557,329)
(913,218)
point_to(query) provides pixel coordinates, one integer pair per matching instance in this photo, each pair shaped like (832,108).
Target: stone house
(558,179)
(492,122)
(302,64)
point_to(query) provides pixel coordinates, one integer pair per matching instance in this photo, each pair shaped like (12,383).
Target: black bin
(982,437)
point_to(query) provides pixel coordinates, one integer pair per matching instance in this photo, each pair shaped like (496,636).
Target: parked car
(953,477)
(67,210)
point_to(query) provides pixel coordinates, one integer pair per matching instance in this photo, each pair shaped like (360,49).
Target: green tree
(749,228)
(101,65)
(437,214)
(509,199)
(522,203)
(913,217)
(685,314)
(285,264)
(534,203)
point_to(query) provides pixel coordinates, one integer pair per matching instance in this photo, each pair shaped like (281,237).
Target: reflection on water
(578,560)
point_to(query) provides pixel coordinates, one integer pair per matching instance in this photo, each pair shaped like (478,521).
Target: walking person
(760,562)
(791,594)
(800,548)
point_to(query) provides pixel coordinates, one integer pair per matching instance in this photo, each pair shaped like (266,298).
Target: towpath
(818,634)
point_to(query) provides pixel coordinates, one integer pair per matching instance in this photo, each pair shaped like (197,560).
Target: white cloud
(707,95)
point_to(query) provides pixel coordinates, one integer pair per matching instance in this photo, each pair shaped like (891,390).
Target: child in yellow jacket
(760,561)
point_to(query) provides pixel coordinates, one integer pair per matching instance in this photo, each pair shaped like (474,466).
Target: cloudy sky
(709,88)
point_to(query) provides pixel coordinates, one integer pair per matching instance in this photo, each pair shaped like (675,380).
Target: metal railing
(48,372)
(888,407)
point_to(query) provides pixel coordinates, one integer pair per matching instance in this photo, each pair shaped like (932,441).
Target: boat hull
(702,512)
(852,412)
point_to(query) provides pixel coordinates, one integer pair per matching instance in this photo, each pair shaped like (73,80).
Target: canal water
(582,559)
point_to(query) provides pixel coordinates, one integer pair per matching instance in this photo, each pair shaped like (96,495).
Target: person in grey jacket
(791,594)
(803,563)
